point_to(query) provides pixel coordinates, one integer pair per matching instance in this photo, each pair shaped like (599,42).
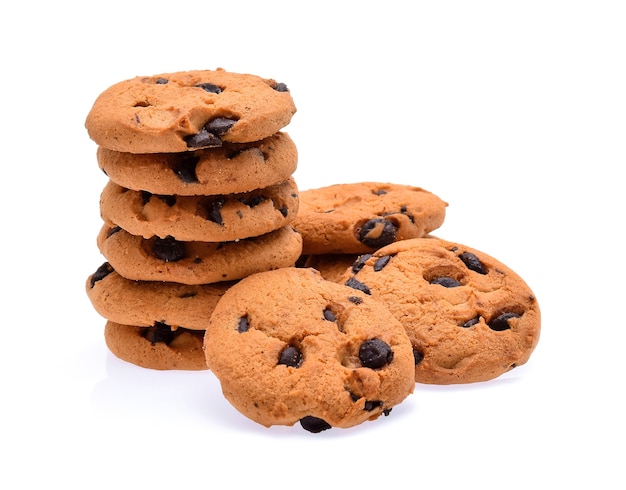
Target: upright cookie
(289,346)
(176,112)
(470,318)
(146,303)
(171,260)
(157,347)
(230,169)
(362,217)
(215,218)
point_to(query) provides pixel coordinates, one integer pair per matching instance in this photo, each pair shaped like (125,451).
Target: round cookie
(288,346)
(362,217)
(470,318)
(176,112)
(201,218)
(146,303)
(157,347)
(231,169)
(170,260)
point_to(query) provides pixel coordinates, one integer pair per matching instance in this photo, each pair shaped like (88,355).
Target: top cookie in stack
(200,194)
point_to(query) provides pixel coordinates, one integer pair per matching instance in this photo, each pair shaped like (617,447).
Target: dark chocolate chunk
(252,201)
(113,230)
(375,353)
(356,284)
(159,332)
(243,325)
(169,249)
(204,139)
(418,355)
(381,262)
(213,210)
(446,282)
(377,233)
(102,271)
(314,424)
(220,125)
(161,81)
(209,87)
(186,170)
(280,87)
(501,322)
(372,404)
(329,315)
(471,322)
(355,299)
(284,210)
(290,356)
(472,262)
(360,262)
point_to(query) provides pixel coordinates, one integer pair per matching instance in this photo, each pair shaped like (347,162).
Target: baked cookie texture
(289,346)
(215,218)
(232,168)
(470,318)
(362,217)
(177,112)
(200,194)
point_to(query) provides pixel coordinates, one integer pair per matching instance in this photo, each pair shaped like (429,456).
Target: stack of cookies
(200,195)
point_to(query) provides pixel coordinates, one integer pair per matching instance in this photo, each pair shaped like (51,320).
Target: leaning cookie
(361,217)
(146,303)
(470,318)
(168,259)
(176,112)
(214,218)
(332,267)
(230,169)
(157,347)
(288,346)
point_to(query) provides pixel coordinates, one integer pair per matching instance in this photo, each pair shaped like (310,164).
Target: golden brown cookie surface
(289,346)
(469,317)
(167,259)
(214,218)
(232,168)
(361,217)
(145,303)
(176,112)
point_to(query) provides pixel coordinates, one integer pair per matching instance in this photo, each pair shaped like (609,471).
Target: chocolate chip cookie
(470,318)
(182,111)
(289,346)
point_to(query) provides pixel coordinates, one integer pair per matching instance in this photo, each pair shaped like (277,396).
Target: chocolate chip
(252,200)
(355,299)
(159,332)
(284,210)
(472,262)
(314,424)
(169,249)
(501,322)
(372,405)
(186,170)
(113,230)
(375,353)
(204,139)
(102,271)
(329,315)
(161,81)
(380,192)
(446,282)
(280,87)
(189,294)
(169,200)
(418,355)
(355,284)
(243,325)
(220,125)
(377,233)
(209,87)
(360,262)
(213,210)
(290,356)
(381,262)
(471,322)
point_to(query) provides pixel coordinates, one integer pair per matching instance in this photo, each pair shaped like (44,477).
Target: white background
(512,112)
